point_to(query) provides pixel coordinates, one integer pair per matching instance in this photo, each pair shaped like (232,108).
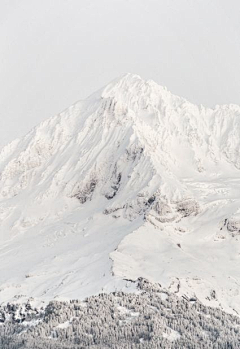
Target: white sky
(54,52)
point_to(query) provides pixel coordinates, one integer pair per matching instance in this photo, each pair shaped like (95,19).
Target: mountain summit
(132,182)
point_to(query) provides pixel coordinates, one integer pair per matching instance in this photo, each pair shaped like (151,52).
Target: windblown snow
(132,182)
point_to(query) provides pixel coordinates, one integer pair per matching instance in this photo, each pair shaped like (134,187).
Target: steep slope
(131,182)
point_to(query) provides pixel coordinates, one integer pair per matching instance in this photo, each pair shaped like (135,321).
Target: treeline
(150,319)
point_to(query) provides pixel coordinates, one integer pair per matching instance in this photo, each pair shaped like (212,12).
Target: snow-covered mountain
(132,182)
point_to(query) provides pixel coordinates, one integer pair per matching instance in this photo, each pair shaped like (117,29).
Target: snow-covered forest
(149,319)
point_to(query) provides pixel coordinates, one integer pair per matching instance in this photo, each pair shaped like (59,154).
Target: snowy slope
(131,182)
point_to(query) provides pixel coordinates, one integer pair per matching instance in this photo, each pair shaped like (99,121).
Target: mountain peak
(133,92)
(130,83)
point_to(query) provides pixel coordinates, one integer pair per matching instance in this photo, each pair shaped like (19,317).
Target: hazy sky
(54,52)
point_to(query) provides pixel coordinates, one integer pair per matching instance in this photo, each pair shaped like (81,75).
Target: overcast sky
(54,52)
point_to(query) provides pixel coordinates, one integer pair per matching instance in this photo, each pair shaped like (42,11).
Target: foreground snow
(131,182)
